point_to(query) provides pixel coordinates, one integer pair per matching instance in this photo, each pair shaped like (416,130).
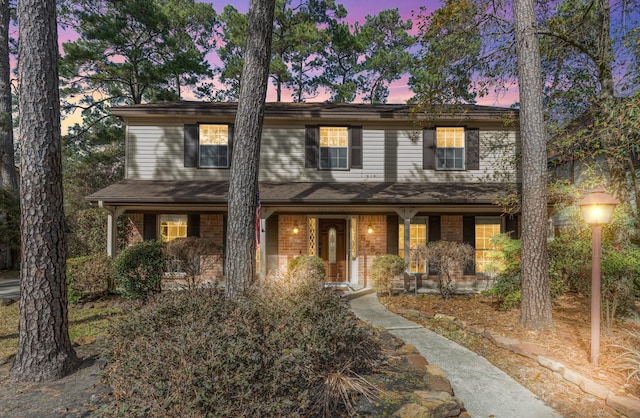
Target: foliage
(308,266)
(9,222)
(629,359)
(133,51)
(194,255)
(89,275)
(276,352)
(138,269)
(449,257)
(570,259)
(620,273)
(384,269)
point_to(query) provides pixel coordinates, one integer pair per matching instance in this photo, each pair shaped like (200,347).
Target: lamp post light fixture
(596,208)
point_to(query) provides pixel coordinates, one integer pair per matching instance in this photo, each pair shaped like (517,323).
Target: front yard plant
(284,349)
(384,270)
(139,269)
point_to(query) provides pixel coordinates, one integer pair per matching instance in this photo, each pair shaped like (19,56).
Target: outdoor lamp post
(597,208)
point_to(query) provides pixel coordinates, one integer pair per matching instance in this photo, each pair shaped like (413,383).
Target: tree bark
(8,178)
(44,347)
(535,310)
(243,186)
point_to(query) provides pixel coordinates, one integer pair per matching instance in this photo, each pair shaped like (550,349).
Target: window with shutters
(213,146)
(450,148)
(334,147)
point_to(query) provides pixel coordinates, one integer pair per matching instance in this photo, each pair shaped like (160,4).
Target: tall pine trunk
(243,186)
(535,309)
(44,347)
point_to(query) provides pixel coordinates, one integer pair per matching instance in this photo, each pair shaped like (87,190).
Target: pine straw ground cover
(568,342)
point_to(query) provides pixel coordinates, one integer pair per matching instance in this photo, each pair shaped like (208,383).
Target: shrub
(629,359)
(570,260)
(308,266)
(448,257)
(90,275)
(620,269)
(194,255)
(384,269)
(270,353)
(138,269)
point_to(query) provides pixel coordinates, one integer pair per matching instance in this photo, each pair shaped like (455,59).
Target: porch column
(112,227)
(407,214)
(264,215)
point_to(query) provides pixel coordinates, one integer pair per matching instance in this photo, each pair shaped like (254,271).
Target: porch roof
(135,192)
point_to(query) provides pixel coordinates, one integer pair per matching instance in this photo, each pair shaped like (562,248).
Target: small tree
(385,268)
(195,255)
(448,257)
(138,269)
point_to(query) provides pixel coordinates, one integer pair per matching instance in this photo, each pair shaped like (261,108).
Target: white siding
(389,155)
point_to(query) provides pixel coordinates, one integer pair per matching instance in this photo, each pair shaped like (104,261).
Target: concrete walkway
(485,390)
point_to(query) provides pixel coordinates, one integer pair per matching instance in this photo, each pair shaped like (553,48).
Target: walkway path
(485,390)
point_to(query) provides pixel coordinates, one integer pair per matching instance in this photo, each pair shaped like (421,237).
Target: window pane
(450,148)
(484,232)
(334,136)
(214,135)
(417,235)
(334,143)
(333,157)
(172,227)
(214,156)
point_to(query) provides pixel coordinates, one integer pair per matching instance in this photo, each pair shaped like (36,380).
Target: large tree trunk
(44,347)
(243,187)
(535,311)
(8,178)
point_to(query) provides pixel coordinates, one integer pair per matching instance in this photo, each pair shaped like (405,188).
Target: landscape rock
(628,406)
(407,349)
(554,366)
(593,388)
(441,404)
(417,361)
(528,350)
(443,317)
(412,410)
(436,379)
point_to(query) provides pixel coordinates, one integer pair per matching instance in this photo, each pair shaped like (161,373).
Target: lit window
(417,235)
(214,146)
(450,148)
(334,147)
(172,227)
(485,229)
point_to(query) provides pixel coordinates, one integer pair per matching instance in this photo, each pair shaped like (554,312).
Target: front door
(333,248)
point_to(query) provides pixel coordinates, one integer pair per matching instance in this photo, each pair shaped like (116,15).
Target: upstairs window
(214,146)
(334,147)
(450,148)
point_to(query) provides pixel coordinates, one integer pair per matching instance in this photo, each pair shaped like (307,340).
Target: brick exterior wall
(291,245)
(370,245)
(451,228)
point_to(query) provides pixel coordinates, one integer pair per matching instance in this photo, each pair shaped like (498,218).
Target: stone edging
(629,406)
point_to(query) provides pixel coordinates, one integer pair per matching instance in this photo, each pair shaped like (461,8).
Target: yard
(568,343)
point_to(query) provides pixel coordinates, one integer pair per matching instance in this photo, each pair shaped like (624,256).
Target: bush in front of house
(89,276)
(138,269)
(195,255)
(308,266)
(274,352)
(448,257)
(384,269)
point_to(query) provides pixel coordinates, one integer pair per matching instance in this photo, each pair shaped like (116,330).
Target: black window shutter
(355,144)
(191,134)
(428,149)
(434,228)
(149,226)
(392,234)
(512,226)
(230,145)
(193,225)
(469,237)
(311,147)
(472,149)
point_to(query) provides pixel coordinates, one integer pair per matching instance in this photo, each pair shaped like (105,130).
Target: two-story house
(345,182)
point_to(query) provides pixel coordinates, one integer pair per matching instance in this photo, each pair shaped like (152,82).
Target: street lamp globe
(597,207)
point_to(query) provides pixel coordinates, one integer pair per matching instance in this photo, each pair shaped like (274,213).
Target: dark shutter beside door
(472,149)
(512,226)
(191,133)
(230,145)
(149,226)
(428,149)
(392,234)
(311,147)
(355,144)
(193,225)
(434,228)
(469,237)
